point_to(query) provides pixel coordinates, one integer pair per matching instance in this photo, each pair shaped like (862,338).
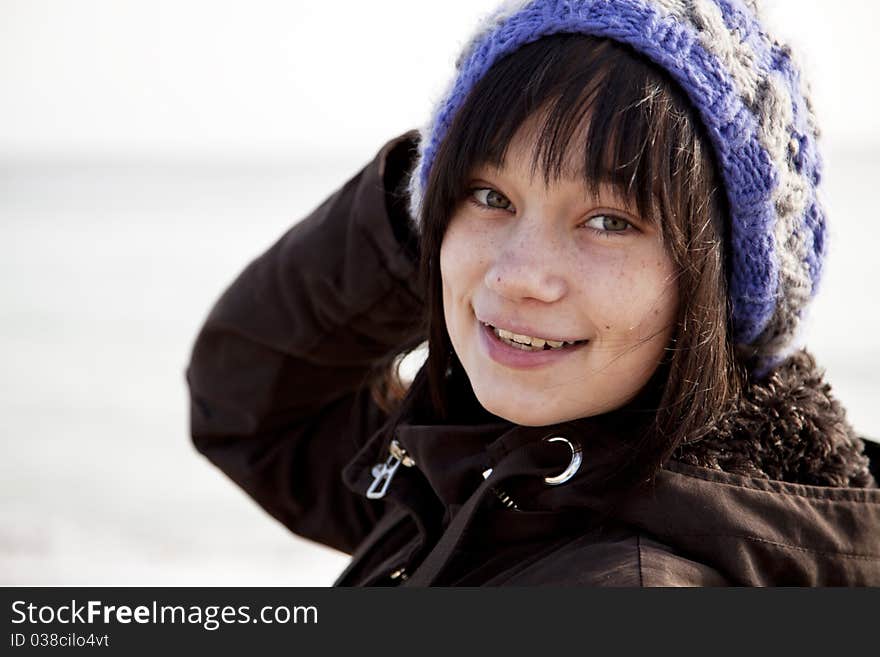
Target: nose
(528,265)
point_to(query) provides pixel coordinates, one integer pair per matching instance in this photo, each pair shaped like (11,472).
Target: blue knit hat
(748,90)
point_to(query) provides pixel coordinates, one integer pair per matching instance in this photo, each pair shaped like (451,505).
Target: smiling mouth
(529,343)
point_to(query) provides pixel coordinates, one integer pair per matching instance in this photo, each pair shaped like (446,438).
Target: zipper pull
(383,472)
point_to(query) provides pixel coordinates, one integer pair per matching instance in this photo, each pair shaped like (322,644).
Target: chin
(526,415)
(539,414)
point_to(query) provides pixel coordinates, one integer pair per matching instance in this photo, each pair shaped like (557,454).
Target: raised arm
(278,371)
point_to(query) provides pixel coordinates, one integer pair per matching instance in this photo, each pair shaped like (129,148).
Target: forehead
(528,145)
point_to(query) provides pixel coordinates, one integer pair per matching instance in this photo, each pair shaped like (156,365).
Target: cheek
(456,274)
(660,300)
(630,293)
(462,258)
(450,267)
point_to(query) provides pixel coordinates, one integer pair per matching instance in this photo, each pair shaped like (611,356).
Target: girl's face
(557,264)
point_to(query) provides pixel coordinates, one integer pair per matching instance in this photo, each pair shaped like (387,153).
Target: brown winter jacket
(782,495)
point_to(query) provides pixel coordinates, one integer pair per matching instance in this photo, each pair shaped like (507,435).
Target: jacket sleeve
(278,372)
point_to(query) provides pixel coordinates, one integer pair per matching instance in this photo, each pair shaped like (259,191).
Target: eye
(608,225)
(488,198)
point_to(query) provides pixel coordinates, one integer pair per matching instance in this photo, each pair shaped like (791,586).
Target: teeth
(525,341)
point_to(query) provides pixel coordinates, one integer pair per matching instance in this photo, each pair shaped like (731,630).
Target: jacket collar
(453,457)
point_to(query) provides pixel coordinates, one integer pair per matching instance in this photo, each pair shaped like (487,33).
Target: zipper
(384,472)
(400,574)
(506,500)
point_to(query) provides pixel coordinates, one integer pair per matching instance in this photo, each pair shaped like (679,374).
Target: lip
(508,356)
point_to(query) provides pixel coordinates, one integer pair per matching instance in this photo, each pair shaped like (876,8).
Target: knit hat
(748,90)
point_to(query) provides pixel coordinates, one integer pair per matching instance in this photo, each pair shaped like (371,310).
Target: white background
(149,149)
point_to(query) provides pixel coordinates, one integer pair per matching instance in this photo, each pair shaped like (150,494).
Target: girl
(609,234)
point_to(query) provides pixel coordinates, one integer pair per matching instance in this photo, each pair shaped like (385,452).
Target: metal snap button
(573,465)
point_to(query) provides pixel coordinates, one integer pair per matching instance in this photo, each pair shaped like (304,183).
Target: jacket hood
(782,494)
(788,428)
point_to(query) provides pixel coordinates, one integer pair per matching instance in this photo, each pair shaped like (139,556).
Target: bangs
(600,112)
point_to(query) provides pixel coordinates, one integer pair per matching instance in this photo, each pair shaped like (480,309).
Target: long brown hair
(644,139)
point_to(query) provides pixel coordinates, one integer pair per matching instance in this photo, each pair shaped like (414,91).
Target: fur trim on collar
(787,428)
